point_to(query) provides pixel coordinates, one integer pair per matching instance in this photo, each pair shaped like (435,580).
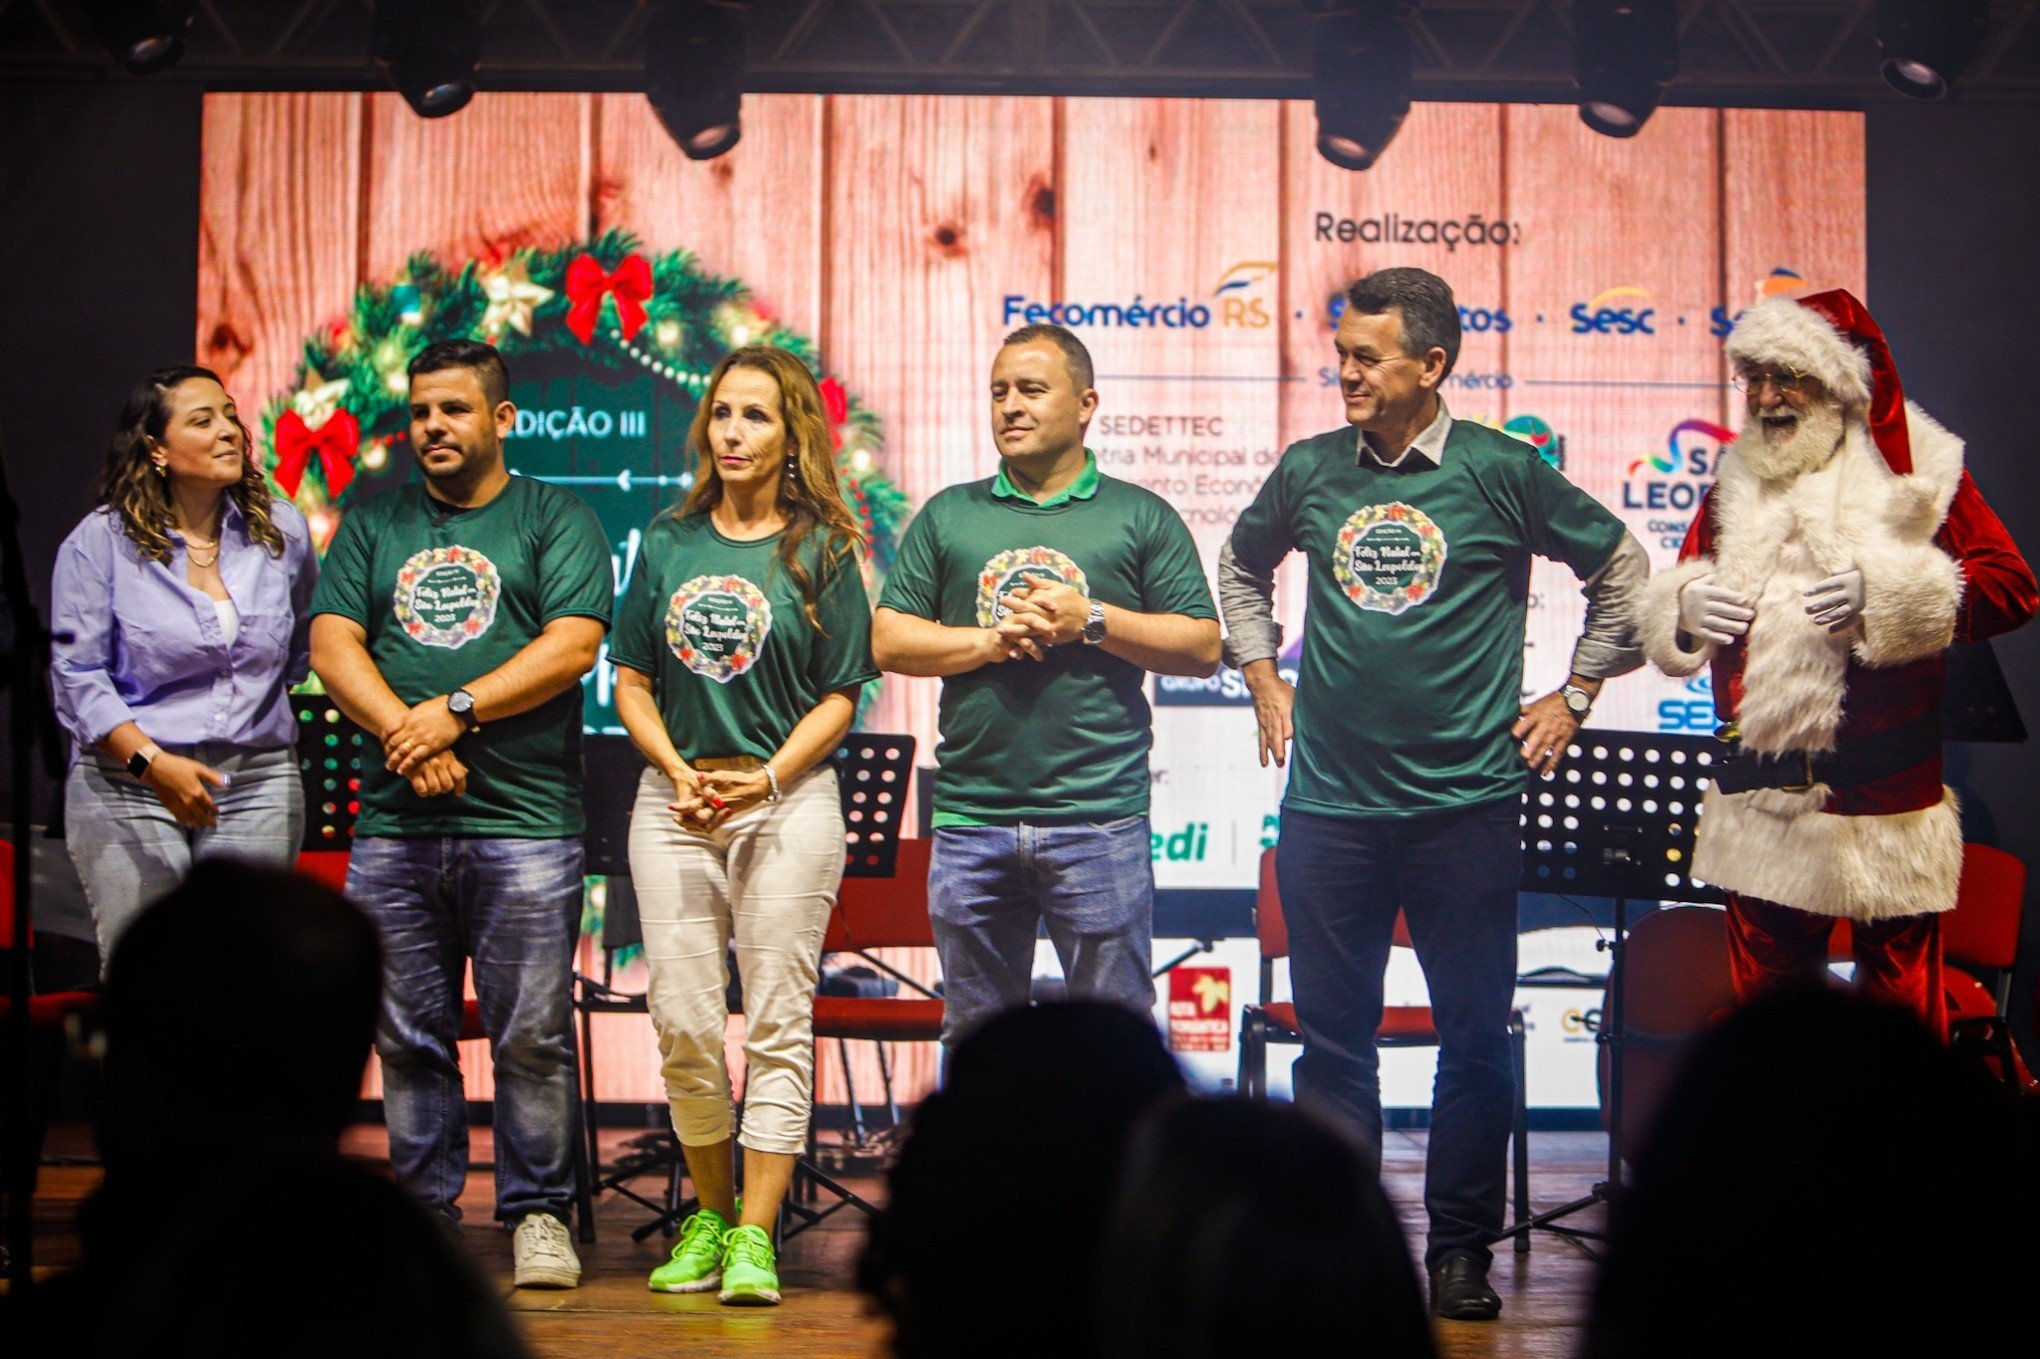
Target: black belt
(1865,759)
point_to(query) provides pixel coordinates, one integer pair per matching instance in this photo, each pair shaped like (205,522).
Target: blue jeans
(514,906)
(1453,875)
(990,887)
(129,850)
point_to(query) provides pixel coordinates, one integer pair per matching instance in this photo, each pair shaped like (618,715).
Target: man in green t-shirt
(1042,596)
(454,620)
(1411,739)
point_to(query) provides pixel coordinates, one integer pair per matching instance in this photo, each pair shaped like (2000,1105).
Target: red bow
(337,443)
(587,285)
(835,405)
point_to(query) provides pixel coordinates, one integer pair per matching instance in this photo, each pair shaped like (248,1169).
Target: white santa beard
(1813,438)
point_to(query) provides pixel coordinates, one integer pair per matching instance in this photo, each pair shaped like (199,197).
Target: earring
(162,469)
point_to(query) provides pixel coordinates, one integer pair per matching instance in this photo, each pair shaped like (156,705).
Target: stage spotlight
(1360,80)
(1928,43)
(1624,54)
(145,36)
(694,74)
(430,49)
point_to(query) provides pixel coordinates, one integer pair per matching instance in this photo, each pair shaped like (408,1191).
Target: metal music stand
(1618,820)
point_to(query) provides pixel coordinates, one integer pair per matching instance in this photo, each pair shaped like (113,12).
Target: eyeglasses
(1789,381)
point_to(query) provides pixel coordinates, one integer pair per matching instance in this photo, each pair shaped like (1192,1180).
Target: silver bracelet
(771,777)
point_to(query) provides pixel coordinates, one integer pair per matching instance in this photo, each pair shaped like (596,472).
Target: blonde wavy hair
(809,494)
(131,488)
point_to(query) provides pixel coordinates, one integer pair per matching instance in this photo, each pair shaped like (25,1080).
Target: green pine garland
(692,318)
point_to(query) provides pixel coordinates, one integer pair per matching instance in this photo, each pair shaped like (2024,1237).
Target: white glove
(1714,612)
(1837,601)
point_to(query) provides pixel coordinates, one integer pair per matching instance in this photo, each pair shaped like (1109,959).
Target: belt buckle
(1806,757)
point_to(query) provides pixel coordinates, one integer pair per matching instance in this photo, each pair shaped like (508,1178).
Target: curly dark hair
(130,487)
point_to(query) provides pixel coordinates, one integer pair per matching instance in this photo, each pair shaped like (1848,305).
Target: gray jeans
(129,849)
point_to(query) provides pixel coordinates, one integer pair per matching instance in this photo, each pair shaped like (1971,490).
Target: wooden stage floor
(613,1316)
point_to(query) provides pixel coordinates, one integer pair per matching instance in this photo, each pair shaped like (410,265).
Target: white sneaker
(544,1252)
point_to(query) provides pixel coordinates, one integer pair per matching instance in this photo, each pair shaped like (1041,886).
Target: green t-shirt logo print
(446,596)
(1008,571)
(1390,558)
(715,626)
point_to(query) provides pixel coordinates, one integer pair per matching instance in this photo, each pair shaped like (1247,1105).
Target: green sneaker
(750,1271)
(697,1263)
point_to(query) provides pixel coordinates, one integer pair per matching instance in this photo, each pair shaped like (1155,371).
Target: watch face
(1578,703)
(461,702)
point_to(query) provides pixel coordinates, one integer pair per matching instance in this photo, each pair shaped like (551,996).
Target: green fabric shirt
(1412,669)
(1065,739)
(446,596)
(722,629)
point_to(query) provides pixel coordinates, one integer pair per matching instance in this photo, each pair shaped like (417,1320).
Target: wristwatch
(1094,628)
(461,704)
(139,762)
(1578,701)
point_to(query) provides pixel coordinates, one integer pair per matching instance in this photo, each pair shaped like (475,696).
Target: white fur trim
(1910,598)
(1780,847)
(1774,540)
(1654,614)
(1780,330)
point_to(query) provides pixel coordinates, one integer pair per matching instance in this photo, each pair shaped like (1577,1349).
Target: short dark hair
(1075,357)
(1430,316)
(485,359)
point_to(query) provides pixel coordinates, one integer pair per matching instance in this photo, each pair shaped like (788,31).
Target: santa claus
(1840,552)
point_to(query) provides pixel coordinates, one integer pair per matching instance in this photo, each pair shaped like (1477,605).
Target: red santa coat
(1937,566)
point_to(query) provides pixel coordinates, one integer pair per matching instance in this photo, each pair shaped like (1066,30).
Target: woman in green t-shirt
(741,644)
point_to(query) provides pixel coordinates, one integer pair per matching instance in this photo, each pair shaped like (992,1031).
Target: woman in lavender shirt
(185,595)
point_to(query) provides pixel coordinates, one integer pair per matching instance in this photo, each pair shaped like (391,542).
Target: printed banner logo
(1008,571)
(446,596)
(716,625)
(1389,558)
(1626,310)
(1200,1009)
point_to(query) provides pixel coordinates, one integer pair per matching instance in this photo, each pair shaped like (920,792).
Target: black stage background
(99,189)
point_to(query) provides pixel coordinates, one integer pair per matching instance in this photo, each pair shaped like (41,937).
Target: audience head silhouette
(1823,1176)
(239,1013)
(1007,1175)
(1243,1227)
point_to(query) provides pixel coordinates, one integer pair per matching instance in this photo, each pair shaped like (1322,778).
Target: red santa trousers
(1898,960)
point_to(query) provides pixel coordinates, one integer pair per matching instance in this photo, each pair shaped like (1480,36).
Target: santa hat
(1832,337)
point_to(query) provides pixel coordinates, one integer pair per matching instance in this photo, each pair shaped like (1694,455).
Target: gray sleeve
(1248,602)
(1607,645)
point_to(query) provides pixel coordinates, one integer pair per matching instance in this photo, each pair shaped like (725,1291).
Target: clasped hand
(705,798)
(419,749)
(1039,614)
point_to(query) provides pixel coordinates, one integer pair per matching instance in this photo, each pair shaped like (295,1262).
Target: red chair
(53,1018)
(329,866)
(1980,935)
(1677,985)
(872,913)
(1402,1026)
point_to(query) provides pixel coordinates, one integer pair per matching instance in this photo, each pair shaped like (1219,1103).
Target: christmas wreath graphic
(717,624)
(1389,558)
(446,596)
(605,302)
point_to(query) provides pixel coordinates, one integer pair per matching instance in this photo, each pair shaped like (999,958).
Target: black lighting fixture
(694,74)
(1928,43)
(1624,53)
(430,49)
(1360,79)
(144,36)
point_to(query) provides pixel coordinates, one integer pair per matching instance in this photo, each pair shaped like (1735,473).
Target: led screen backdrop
(1199,247)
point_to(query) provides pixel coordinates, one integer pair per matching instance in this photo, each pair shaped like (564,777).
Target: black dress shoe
(1459,1288)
